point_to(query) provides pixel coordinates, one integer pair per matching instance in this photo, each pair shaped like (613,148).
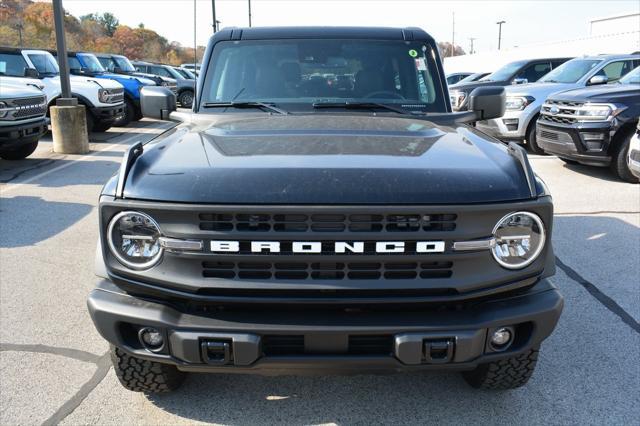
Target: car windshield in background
(44,63)
(570,71)
(91,62)
(12,64)
(325,71)
(632,78)
(124,64)
(504,73)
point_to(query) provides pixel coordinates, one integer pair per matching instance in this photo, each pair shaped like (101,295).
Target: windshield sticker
(421,65)
(413,53)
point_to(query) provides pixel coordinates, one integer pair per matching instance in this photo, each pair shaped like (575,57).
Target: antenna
(195,55)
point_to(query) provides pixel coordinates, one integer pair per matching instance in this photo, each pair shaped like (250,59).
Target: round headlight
(3,110)
(519,239)
(103,96)
(134,239)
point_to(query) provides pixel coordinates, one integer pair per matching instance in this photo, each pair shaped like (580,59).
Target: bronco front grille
(115,95)
(26,107)
(326,270)
(289,222)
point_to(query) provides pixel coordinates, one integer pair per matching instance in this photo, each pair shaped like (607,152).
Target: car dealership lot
(53,364)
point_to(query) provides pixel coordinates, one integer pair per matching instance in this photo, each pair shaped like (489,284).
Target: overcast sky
(526,21)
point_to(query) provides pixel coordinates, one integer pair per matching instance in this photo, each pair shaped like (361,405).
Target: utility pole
(471,49)
(453,33)
(68,119)
(213,12)
(249,13)
(500,32)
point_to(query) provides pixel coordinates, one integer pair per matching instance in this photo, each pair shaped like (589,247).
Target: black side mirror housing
(117,70)
(157,102)
(487,102)
(31,73)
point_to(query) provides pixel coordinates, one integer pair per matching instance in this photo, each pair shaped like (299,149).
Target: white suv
(103,99)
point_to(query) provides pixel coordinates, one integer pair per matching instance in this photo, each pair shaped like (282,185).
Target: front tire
(508,373)
(19,153)
(619,164)
(140,375)
(128,116)
(186,99)
(532,142)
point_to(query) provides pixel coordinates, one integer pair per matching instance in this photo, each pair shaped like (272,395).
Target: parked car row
(108,85)
(583,110)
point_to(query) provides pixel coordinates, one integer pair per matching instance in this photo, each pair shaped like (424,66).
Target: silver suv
(524,101)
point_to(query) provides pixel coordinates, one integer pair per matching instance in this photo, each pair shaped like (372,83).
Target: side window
(160,71)
(534,71)
(615,70)
(140,68)
(74,63)
(556,64)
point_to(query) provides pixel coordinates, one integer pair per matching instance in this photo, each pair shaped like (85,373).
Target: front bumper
(324,341)
(512,126)
(586,143)
(12,136)
(108,114)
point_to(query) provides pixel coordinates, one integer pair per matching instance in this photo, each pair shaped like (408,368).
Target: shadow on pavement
(603,173)
(84,172)
(25,221)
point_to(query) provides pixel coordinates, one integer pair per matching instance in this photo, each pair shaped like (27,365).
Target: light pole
(249,13)
(213,12)
(471,39)
(500,32)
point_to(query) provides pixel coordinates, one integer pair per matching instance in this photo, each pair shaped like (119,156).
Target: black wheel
(508,373)
(139,375)
(20,152)
(186,99)
(619,164)
(532,143)
(90,121)
(101,127)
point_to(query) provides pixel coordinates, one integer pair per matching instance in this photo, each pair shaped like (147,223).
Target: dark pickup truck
(292,225)
(593,125)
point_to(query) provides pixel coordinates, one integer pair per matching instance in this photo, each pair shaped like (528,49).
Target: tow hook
(216,352)
(438,351)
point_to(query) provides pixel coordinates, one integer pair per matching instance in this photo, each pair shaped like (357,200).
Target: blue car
(87,64)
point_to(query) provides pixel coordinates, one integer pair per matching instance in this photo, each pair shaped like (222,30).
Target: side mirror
(519,81)
(157,102)
(117,70)
(487,102)
(598,79)
(31,73)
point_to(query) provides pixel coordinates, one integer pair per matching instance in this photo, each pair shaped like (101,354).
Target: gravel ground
(54,368)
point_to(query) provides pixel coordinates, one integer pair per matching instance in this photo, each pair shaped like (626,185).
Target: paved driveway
(54,366)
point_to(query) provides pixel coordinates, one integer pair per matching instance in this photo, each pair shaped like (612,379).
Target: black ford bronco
(322,210)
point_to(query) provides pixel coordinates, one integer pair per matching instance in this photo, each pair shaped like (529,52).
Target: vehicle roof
(375,33)
(609,56)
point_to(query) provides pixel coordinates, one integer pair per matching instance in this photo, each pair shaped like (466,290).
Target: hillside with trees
(25,23)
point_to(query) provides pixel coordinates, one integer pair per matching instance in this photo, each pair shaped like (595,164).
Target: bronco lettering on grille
(303,247)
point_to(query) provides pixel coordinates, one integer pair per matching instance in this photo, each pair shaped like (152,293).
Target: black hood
(258,158)
(614,93)
(468,87)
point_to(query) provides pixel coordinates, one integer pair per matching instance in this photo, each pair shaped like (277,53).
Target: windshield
(633,77)
(90,61)
(473,77)
(314,71)
(504,73)
(44,63)
(12,64)
(124,64)
(570,71)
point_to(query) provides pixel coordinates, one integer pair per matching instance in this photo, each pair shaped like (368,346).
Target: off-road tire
(140,375)
(508,373)
(619,164)
(101,127)
(128,116)
(90,120)
(19,153)
(532,142)
(186,99)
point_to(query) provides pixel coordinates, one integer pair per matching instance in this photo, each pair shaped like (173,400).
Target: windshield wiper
(363,105)
(246,104)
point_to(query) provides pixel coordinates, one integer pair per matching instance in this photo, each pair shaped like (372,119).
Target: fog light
(151,338)
(501,338)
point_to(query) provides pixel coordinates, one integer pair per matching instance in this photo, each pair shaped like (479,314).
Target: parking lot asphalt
(54,366)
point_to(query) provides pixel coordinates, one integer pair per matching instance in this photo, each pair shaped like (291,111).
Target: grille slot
(283,345)
(326,270)
(274,345)
(371,344)
(318,223)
